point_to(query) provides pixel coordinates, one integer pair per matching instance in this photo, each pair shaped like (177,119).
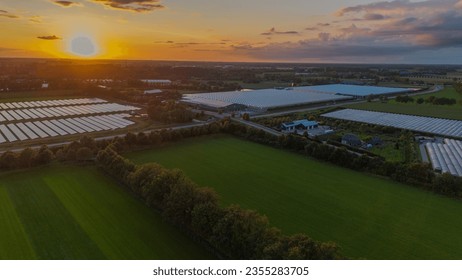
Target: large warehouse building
(267,99)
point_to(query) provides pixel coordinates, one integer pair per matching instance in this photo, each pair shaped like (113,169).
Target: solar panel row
(446,157)
(48,103)
(51,112)
(444,127)
(59,127)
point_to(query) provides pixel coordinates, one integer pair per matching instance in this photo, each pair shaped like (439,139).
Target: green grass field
(389,152)
(73,212)
(437,111)
(368,217)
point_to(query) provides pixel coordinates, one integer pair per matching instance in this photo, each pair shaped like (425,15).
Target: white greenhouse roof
(446,157)
(445,127)
(285,97)
(355,90)
(266,98)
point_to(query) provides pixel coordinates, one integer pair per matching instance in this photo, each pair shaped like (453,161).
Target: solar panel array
(446,157)
(62,111)
(21,121)
(46,103)
(59,127)
(436,126)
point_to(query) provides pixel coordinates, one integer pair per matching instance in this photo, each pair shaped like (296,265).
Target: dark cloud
(273,31)
(396,6)
(139,6)
(373,16)
(52,37)
(67,3)
(164,42)
(323,36)
(6,14)
(406,21)
(243,47)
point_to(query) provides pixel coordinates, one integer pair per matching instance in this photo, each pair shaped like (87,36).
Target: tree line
(232,232)
(169,112)
(26,158)
(429,100)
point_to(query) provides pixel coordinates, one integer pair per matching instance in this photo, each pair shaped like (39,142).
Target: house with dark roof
(352,140)
(375,141)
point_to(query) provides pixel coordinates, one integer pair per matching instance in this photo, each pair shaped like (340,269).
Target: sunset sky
(360,31)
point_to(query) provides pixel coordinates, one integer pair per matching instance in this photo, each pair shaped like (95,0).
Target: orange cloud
(67,3)
(52,37)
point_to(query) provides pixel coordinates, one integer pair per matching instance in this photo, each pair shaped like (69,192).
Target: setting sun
(83,46)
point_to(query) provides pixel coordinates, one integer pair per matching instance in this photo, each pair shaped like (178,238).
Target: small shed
(153,91)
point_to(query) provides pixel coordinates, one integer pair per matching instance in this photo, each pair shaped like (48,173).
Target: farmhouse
(375,141)
(352,140)
(299,124)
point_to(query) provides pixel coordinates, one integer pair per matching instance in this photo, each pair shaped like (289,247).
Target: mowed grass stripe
(70,212)
(368,217)
(122,227)
(14,242)
(52,231)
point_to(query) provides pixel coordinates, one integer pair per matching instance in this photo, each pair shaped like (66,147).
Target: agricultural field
(437,111)
(69,212)
(369,217)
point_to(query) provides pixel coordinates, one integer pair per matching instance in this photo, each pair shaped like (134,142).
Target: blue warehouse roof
(305,123)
